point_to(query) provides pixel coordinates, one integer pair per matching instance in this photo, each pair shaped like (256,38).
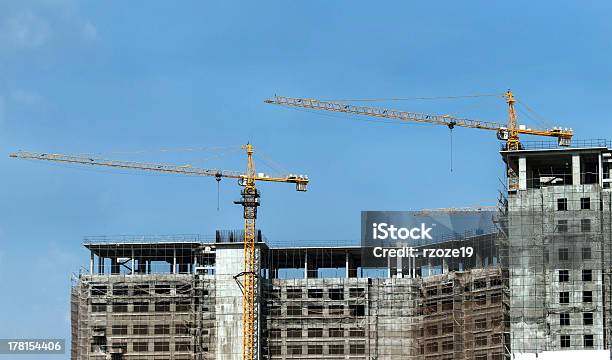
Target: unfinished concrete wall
(229,304)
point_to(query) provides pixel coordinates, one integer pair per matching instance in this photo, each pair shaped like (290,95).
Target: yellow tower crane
(509,133)
(249,202)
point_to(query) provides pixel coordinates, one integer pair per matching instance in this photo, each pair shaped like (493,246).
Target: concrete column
(195,263)
(346,261)
(91,262)
(228,318)
(115,266)
(100,265)
(400,269)
(600,170)
(133,262)
(522,173)
(174,261)
(576,169)
(142,266)
(410,267)
(306,265)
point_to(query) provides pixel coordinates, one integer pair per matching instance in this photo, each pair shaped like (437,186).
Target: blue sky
(126,80)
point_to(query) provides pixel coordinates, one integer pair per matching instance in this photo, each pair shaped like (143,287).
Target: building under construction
(539,281)
(179,298)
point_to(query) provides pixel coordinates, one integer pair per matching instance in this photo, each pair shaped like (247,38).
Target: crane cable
(451,126)
(218,178)
(536,116)
(451,150)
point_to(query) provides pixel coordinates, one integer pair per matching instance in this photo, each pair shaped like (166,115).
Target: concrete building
(178,298)
(559,213)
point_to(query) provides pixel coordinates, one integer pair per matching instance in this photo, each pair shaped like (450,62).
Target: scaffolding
(559,268)
(457,315)
(321,302)
(178,298)
(141,309)
(558,225)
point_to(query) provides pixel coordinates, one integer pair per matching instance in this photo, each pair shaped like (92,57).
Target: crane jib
(509,132)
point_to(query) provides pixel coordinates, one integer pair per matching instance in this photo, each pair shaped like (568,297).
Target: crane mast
(513,135)
(249,201)
(509,133)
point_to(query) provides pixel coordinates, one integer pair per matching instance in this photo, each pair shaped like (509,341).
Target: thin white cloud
(89,31)
(24,30)
(26,98)
(28,25)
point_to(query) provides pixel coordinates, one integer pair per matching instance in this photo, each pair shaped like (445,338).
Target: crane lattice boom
(504,132)
(300,180)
